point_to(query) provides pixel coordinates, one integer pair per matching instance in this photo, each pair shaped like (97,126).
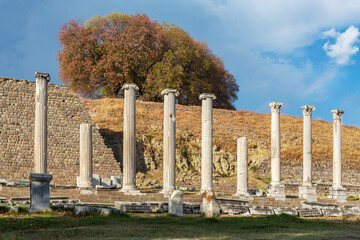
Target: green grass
(63,225)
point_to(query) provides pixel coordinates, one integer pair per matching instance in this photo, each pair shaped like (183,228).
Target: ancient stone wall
(65,113)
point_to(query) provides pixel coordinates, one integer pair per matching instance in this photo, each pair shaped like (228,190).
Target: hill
(228,126)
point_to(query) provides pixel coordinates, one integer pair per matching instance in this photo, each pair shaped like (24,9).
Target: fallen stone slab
(285,210)
(191,208)
(233,201)
(309,212)
(136,207)
(351,210)
(233,209)
(335,212)
(255,210)
(319,205)
(158,207)
(3,181)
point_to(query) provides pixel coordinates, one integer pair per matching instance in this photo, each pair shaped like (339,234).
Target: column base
(308,193)
(129,189)
(244,195)
(209,206)
(167,192)
(337,192)
(277,191)
(40,192)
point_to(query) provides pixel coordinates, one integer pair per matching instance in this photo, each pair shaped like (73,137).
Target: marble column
(275,189)
(207,141)
(307,190)
(40,147)
(129,138)
(337,191)
(169,146)
(86,156)
(209,206)
(242,167)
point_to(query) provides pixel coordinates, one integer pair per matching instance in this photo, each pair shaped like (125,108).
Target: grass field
(154,226)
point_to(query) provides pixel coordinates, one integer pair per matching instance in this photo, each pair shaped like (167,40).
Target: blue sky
(297,52)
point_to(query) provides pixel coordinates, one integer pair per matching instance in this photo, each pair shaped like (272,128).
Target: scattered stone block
(3,181)
(176,203)
(351,210)
(99,187)
(136,207)
(82,210)
(96,179)
(78,181)
(310,212)
(14,209)
(183,188)
(106,182)
(335,212)
(259,210)
(116,180)
(209,206)
(233,209)
(258,193)
(40,192)
(11,184)
(286,210)
(318,205)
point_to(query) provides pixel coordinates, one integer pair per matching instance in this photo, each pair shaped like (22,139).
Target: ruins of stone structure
(276,188)
(129,152)
(65,113)
(337,191)
(307,190)
(169,139)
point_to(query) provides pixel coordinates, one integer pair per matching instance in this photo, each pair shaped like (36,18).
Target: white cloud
(344,47)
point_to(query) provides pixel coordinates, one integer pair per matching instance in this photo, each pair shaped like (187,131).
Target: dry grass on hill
(229,125)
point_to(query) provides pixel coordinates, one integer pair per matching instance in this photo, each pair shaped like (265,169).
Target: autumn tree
(99,56)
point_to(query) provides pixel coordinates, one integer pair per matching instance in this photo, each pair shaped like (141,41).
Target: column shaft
(307,146)
(275,148)
(169,146)
(242,166)
(337,152)
(40,138)
(207,142)
(129,138)
(85,155)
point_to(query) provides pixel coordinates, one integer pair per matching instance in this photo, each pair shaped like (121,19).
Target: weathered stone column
(169,146)
(242,167)
(129,140)
(207,141)
(40,147)
(275,189)
(337,191)
(86,156)
(307,190)
(209,206)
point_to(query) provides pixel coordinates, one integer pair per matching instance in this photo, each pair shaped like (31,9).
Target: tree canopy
(98,57)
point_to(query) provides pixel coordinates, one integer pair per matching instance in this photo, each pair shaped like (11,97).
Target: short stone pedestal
(176,203)
(338,192)
(40,192)
(308,192)
(209,206)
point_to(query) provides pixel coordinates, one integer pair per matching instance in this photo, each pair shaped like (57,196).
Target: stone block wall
(65,113)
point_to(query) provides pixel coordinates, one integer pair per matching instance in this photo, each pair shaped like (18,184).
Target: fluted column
(86,156)
(207,141)
(275,188)
(40,146)
(337,191)
(129,138)
(169,146)
(242,167)
(307,190)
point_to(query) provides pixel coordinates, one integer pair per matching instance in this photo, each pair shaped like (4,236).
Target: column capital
(170,90)
(337,114)
(204,96)
(127,86)
(275,106)
(307,110)
(40,75)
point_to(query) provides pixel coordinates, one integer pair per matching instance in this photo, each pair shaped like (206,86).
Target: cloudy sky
(301,52)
